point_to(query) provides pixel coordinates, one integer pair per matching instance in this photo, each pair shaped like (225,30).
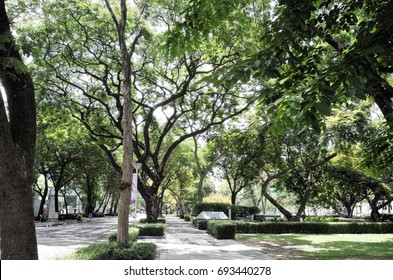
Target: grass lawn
(322,246)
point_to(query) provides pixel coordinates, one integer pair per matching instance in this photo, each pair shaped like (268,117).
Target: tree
(17,147)
(304,162)
(203,167)
(308,55)
(180,178)
(85,72)
(234,154)
(127,163)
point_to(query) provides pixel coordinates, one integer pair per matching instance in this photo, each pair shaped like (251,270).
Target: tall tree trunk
(152,202)
(43,198)
(233,197)
(265,194)
(56,200)
(202,173)
(285,212)
(17,148)
(127,167)
(302,206)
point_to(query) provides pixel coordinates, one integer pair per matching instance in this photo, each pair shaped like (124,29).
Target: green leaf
(324,106)
(277,129)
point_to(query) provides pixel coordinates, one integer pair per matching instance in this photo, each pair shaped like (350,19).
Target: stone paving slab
(183,242)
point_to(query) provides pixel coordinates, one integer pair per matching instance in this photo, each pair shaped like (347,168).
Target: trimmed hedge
(133,233)
(221,230)
(151,229)
(199,207)
(201,224)
(158,221)
(313,227)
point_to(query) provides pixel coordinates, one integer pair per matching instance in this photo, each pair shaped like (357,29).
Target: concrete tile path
(183,242)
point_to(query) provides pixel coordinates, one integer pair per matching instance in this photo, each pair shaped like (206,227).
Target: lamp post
(136,166)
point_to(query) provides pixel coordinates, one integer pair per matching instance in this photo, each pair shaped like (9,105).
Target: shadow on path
(183,242)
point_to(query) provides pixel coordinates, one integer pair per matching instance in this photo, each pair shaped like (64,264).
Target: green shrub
(199,207)
(63,217)
(157,221)
(202,224)
(245,211)
(151,229)
(116,251)
(313,227)
(133,235)
(320,219)
(187,217)
(221,230)
(387,217)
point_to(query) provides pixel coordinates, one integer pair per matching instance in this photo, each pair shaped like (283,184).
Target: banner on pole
(134,188)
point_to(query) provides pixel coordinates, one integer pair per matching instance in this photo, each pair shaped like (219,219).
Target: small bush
(133,235)
(245,211)
(202,224)
(320,219)
(187,217)
(387,217)
(158,221)
(115,251)
(151,229)
(221,230)
(63,217)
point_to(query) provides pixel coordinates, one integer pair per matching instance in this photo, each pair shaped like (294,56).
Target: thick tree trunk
(43,199)
(284,211)
(302,206)
(265,194)
(233,197)
(202,177)
(56,200)
(152,207)
(18,236)
(17,147)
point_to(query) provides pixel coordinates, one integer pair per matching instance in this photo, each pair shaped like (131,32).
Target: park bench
(267,217)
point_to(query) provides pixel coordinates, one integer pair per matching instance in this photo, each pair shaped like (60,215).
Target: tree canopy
(273,96)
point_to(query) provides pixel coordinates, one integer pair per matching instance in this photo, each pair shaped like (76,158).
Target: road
(58,241)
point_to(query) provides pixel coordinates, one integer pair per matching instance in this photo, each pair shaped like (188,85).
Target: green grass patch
(323,246)
(116,251)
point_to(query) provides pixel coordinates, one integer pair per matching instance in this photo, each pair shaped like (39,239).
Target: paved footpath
(183,242)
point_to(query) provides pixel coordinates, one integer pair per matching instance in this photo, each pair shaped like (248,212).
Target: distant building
(74,204)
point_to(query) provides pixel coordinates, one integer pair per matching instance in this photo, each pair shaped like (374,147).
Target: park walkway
(183,242)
